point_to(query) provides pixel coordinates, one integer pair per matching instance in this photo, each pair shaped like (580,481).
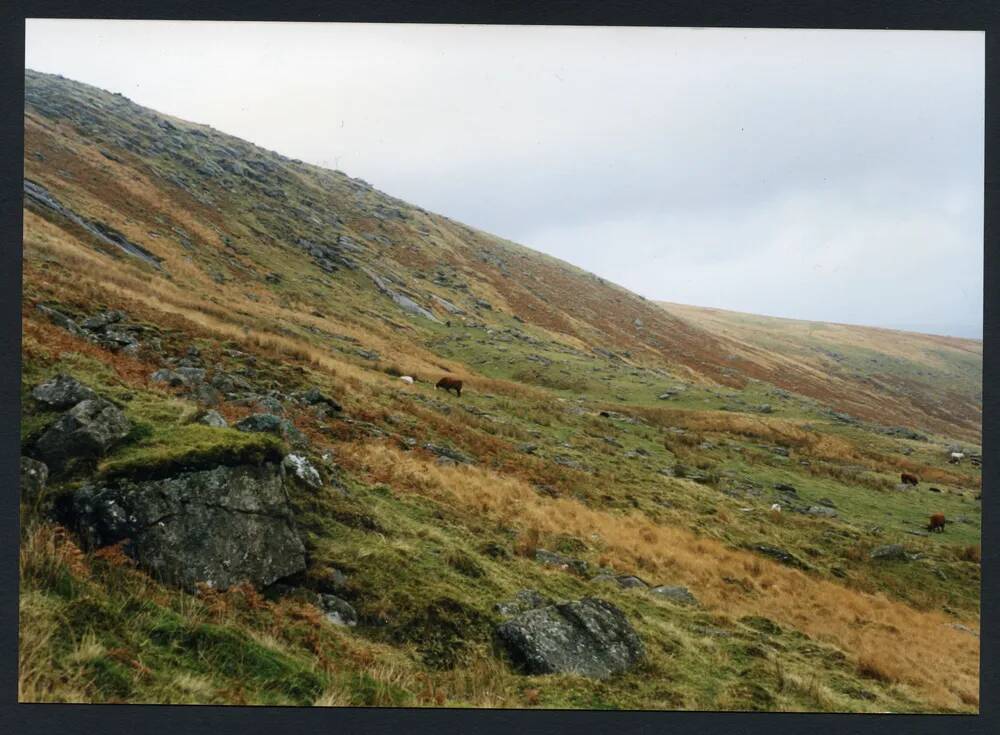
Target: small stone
(34,476)
(214,419)
(681,595)
(338,611)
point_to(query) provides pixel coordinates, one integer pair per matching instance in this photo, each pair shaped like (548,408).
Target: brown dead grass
(884,636)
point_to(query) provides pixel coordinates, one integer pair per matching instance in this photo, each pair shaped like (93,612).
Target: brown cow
(937,523)
(450,384)
(907,479)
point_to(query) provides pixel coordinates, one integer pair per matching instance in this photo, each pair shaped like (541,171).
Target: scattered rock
(271,424)
(783,487)
(299,469)
(191,375)
(260,422)
(447,453)
(206,395)
(781,555)
(314,397)
(589,637)
(169,377)
(214,419)
(524,600)
(628,581)
(61,320)
(34,476)
(890,552)
(552,559)
(87,430)
(61,392)
(219,527)
(680,595)
(100,321)
(338,611)
(822,511)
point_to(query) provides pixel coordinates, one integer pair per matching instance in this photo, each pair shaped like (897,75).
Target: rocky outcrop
(61,320)
(88,430)
(41,198)
(401,300)
(219,527)
(589,637)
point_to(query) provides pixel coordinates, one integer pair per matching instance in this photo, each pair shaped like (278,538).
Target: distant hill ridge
(229,221)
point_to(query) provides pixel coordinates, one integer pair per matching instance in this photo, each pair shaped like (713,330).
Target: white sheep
(406,379)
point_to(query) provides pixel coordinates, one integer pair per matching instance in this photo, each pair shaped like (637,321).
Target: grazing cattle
(937,523)
(907,479)
(450,384)
(406,379)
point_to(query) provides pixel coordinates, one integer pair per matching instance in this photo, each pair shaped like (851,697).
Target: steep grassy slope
(638,439)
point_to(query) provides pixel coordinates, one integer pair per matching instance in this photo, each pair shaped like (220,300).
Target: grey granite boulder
(589,637)
(219,527)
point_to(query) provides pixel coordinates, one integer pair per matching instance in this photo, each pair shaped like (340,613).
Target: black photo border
(16,718)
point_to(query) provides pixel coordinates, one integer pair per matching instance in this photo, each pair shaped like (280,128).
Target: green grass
(423,574)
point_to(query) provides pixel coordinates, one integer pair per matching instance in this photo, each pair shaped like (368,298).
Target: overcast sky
(827,175)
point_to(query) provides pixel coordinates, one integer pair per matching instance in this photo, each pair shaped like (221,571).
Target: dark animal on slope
(937,523)
(907,479)
(450,384)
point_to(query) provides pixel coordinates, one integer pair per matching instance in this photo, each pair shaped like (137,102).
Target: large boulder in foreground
(219,527)
(589,637)
(87,430)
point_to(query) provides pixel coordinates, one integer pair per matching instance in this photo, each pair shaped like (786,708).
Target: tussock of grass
(189,447)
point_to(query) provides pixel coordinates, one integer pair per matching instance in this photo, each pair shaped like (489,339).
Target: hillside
(917,379)
(233,311)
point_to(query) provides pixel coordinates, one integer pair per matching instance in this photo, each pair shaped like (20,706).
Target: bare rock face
(219,527)
(87,430)
(589,637)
